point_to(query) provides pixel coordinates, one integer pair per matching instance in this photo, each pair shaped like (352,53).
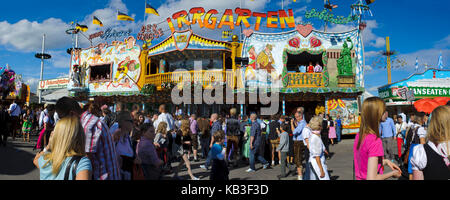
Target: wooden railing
(208,77)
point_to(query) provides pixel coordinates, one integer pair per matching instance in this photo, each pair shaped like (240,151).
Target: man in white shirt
(164,117)
(14,111)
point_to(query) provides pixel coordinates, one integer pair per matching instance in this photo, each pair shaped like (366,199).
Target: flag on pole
(440,62)
(417,64)
(97,21)
(123,17)
(150,10)
(83,28)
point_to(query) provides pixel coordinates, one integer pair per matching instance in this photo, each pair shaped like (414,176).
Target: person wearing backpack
(274,137)
(412,140)
(65,158)
(233,133)
(430,161)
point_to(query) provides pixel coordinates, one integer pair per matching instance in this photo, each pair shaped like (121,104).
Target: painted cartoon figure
(265,61)
(123,68)
(251,67)
(76,76)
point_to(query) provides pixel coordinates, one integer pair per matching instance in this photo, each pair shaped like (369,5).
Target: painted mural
(268,57)
(347,110)
(121,68)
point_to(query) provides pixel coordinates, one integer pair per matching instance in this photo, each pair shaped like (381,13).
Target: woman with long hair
(430,161)
(368,147)
(186,144)
(205,136)
(65,153)
(161,141)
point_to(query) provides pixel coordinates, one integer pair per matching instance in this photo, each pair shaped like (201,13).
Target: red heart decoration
(304,30)
(315,42)
(248,32)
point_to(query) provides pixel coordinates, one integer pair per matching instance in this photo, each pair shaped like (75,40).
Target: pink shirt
(371,146)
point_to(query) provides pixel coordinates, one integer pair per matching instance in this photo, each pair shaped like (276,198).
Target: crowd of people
(422,150)
(97,142)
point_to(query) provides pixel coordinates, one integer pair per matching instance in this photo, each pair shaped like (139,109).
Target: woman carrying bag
(65,157)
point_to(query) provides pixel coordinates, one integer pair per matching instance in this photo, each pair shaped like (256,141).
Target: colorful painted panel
(177,42)
(348,111)
(267,53)
(106,68)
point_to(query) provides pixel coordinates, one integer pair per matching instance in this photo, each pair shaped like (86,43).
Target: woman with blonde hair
(186,144)
(430,161)
(318,167)
(65,158)
(368,148)
(161,141)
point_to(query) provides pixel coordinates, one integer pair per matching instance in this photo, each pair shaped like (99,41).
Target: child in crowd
(283,147)
(318,167)
(219,170)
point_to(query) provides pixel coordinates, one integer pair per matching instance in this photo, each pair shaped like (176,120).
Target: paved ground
(16,164)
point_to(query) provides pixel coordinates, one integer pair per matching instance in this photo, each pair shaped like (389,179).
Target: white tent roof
(54,95)
(367,95)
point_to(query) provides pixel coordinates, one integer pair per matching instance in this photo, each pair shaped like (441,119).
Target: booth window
(101,72)
(305,59)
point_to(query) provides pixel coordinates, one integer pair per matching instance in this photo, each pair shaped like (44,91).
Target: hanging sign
(111,33)
(198,15)
(53,84)
(325,15)
(150,32)
(96,35)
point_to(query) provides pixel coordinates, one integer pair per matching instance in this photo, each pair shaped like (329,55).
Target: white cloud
(60,59)
(32,82)
(369,37)
(27,36)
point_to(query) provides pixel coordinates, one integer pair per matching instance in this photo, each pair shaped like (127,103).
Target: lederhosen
(436,169)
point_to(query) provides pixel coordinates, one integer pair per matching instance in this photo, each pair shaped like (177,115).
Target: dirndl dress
(246,147)
(26,127)
(332,133)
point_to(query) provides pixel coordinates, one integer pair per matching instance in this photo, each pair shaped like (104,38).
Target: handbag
(75,160)
(138,173)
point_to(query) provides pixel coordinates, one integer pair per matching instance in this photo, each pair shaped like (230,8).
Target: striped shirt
(100,147)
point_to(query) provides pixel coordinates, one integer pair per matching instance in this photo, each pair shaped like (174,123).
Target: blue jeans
(338,133)
(254,154)
(208,159)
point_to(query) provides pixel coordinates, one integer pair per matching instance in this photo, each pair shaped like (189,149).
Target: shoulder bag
(75,160)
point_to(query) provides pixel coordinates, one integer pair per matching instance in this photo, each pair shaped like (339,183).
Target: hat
(269,46)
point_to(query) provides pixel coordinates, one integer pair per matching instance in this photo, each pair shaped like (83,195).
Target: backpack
(233,127)
(411,138)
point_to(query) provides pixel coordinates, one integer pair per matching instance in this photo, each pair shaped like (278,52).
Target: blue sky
(416,29)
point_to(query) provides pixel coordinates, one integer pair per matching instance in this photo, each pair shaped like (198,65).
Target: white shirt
(15,110)
(41,117)
(419,158)
(401,127)
(164,117)
(422,132)
(306,135)
(317,149)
